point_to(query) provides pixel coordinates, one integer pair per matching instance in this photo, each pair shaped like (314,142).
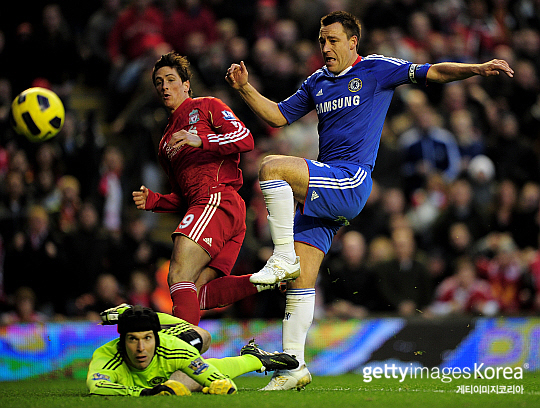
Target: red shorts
(218,225)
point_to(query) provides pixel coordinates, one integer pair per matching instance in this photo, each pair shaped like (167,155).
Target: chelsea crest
(355,85)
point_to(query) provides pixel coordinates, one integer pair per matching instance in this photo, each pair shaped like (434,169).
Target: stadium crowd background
(452,225)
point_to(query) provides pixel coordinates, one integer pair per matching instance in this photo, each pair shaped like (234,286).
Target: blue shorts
(336,194)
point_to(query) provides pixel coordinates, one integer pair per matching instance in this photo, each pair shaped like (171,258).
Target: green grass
(332,392)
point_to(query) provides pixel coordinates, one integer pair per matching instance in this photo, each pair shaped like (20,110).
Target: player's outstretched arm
(267,110)
(146,199)
(453,71)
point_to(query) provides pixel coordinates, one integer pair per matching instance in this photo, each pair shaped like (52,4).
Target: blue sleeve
(418,73)
(298,104)
(392,72)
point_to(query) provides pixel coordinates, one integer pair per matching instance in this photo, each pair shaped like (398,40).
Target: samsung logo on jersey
(336,104)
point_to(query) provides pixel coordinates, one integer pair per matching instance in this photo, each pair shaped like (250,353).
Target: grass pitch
(333,392)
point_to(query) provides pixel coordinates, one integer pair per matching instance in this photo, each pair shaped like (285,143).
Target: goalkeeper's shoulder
(172,347)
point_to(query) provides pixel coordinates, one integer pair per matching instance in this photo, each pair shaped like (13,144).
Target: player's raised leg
(283,179)
(218,289)
(226,290)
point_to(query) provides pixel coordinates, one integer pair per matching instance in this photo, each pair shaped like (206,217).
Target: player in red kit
(200,153)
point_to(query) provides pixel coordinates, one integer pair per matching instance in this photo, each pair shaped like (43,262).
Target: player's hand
(183,137)
(177,387)
(139,197)
(237,75)
(169,387)
(220,387)
(494,67)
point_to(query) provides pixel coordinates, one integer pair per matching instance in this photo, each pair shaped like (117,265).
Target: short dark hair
(351,24)
(176,61)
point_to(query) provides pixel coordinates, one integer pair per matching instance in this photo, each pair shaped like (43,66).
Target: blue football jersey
(352,106)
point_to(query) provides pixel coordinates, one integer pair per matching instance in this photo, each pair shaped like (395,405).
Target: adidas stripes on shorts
(217,223)
(336,194)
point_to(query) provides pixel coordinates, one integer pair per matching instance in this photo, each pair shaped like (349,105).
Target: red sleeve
(157,202)
(231,135)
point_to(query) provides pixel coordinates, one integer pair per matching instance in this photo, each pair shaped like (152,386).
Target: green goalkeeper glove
(169,387)
(220,387)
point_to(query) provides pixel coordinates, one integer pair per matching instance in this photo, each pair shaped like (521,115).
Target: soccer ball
(38,114)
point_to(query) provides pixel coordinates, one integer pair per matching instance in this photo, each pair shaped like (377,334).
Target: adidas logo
(208,241)
(319,93)
(314,195)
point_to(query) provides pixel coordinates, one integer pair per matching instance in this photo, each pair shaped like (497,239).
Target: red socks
(185,302)
(219,292)
(225,291)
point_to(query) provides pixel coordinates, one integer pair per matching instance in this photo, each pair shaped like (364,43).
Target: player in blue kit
(351,95)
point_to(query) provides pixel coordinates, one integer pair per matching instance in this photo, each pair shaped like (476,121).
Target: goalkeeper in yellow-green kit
(159,354)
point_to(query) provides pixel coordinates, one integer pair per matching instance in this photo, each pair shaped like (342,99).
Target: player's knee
(269,167)
(180,272)
(174,276)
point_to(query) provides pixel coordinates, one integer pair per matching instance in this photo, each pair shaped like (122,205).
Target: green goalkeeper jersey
(109,374)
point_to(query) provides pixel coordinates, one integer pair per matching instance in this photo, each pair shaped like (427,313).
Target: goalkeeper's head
(138,327)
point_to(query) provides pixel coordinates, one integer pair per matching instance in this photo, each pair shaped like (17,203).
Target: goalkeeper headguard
(137,319)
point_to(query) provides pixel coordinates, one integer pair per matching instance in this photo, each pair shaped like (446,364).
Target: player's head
(172,72)
(138,328)
(351,25)
(339,38)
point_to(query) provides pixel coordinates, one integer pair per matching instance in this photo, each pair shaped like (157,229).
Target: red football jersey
(192,171)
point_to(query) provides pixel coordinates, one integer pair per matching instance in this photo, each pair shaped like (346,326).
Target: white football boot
(289,379)
(276,270)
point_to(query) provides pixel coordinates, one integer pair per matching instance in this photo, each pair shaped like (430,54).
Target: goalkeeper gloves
(110,316)
(220,387)
(169,387)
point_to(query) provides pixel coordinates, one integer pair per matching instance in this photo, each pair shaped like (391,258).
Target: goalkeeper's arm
(107,382)
(212,380)
(107,388)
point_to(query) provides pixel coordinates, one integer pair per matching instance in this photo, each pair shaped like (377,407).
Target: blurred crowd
(452,226)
